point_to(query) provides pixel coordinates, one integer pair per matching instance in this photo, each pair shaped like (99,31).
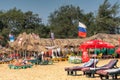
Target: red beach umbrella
(95,44)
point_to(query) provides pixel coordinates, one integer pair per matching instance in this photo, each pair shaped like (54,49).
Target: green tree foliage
(64,21)
(31,22)
(89,21)
(15,21)
(106,19)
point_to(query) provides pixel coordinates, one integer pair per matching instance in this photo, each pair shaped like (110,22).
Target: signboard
(11,37)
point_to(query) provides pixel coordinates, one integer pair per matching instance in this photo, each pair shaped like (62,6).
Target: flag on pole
(11,37)
(52,35)
(82,30)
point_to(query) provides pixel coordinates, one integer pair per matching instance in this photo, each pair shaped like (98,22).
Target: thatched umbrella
(23,40)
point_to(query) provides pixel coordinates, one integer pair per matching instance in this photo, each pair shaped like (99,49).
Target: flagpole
(82,32)
(52,38)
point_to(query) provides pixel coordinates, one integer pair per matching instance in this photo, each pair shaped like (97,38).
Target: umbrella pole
(11,56)
(17,54)
(25,54)
(14,54)
(20,54)
(95,57)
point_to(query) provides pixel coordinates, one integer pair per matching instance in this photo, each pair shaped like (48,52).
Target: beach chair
(107,73)
(11,66)
(73,70)
(90,71)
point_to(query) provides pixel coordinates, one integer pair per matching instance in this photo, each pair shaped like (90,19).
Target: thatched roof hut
(32,42)
(25,42)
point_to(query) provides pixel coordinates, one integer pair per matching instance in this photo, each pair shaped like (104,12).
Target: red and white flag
(82,32)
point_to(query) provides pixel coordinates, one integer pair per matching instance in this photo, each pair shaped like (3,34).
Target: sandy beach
(46,72)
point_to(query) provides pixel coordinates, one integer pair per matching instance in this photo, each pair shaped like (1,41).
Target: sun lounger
(11,66)
(73,70)
(110,72)
(21,66)
(90,71)
(7,60)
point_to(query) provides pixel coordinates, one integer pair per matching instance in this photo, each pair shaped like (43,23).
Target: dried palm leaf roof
(24,40)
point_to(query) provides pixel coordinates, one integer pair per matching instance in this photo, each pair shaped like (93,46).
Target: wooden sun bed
(90,71)
(73,70)
(107,73)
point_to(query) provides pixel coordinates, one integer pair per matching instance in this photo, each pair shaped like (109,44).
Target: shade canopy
(95,44)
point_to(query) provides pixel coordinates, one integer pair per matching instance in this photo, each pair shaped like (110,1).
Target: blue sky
(45,7)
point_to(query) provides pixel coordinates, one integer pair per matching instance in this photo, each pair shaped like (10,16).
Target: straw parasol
(24,40)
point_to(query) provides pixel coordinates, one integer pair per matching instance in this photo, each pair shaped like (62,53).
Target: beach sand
(46,72)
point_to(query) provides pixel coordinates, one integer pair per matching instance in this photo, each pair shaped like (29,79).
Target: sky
(45,7)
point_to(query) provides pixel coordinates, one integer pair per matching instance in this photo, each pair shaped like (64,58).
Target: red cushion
(102,72)
(85,69)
